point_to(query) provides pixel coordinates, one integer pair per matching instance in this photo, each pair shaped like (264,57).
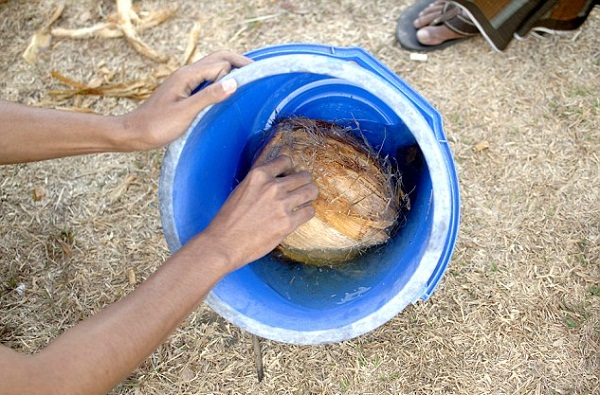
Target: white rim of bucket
(429,145)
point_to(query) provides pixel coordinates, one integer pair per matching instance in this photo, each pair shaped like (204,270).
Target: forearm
(32,134)
(98,353)
(95,355)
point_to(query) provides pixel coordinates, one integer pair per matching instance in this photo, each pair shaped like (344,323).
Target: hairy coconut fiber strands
(359,201)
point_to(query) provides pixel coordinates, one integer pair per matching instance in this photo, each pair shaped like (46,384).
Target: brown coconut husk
(359,199)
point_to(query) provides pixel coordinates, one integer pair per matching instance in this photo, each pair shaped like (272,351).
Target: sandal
(452,17)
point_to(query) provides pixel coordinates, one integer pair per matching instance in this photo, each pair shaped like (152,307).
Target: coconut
(359,199)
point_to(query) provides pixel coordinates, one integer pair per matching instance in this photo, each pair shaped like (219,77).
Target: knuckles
(311,192)
(258,175)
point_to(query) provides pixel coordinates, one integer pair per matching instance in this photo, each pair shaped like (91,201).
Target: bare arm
(94,356)
(30,134)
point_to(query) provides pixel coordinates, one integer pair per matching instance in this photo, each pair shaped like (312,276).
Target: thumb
(215,93)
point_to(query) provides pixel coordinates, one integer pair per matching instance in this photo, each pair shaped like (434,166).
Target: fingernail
(229,85)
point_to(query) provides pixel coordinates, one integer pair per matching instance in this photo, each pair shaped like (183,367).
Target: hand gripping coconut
(360,199)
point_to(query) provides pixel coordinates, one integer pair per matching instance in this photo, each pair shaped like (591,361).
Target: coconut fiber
(360,198)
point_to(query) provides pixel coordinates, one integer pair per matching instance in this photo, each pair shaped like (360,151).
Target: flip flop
(451,17)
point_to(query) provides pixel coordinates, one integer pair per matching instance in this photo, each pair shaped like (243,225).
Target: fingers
(262,210)
(150,131)
(214,93)
(212,68)
(279,166)
(298,188)
(191,76)
(233,59)
(295,180)
(302,197)
(303,214)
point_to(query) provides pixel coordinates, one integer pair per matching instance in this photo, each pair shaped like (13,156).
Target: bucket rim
(443,192)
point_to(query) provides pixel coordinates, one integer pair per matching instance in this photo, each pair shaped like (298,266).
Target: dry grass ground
(518,311)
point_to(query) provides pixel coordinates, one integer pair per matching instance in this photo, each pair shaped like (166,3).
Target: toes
(433,7)
(425,37)
(435,35)
(428,15)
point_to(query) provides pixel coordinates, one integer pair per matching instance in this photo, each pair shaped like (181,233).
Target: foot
(433,35)
(430,25)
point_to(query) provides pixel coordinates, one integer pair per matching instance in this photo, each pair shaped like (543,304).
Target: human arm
(31,134)
(93,356)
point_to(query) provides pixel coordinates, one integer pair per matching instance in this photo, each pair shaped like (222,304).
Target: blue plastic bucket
(295,303)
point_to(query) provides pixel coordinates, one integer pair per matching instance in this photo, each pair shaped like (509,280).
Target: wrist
(127,133)
(213,254)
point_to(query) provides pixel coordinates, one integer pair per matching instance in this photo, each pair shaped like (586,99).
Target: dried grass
(136,90)
(124,23)
(517,312)
(42,38)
